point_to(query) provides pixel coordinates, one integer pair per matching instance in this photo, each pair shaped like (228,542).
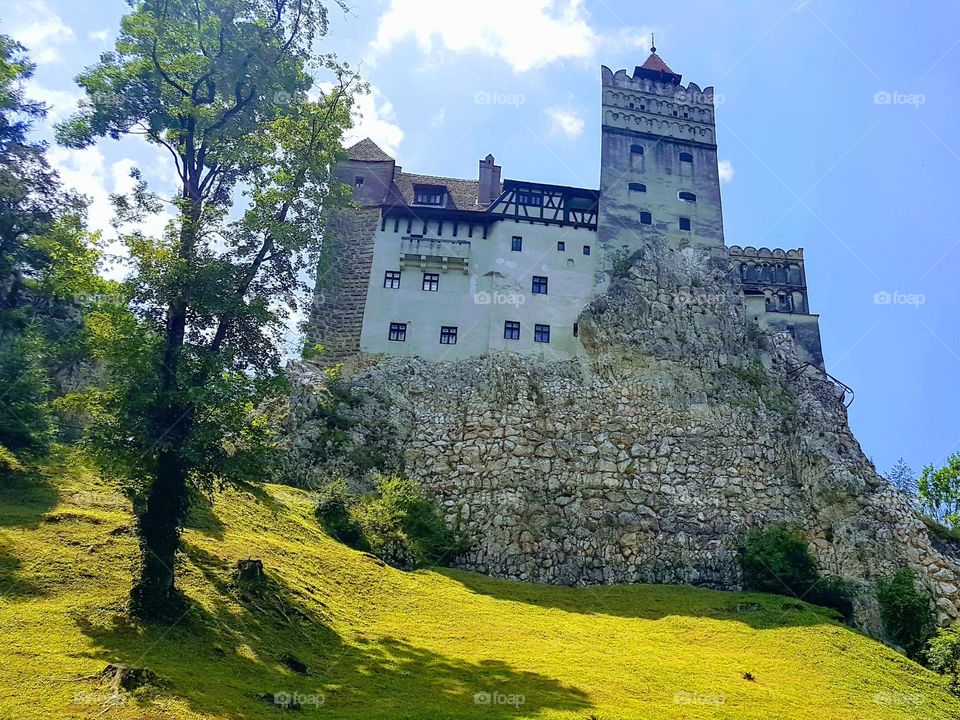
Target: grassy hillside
(380,643)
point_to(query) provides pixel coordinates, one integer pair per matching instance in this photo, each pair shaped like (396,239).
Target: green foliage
(25,418)
(939,491)
(943,654)
(777,560)
(334,513)
(903,476)
(398,524)
(905,611)
(221,87)
(764,391)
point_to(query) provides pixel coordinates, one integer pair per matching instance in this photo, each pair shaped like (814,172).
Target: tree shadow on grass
(25,498)
(652,602)
(232,655)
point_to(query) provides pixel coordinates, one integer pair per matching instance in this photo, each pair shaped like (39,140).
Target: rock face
(647,462)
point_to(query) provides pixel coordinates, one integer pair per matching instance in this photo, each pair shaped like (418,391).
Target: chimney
(489,181)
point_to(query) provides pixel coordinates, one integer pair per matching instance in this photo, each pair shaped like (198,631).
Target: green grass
(384,644)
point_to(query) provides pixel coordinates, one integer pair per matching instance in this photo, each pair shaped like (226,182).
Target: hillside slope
(380,643)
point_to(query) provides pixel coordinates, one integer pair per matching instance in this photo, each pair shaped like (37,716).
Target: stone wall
(649,459)
(336,316)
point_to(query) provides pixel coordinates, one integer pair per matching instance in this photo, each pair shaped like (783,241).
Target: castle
(444,269)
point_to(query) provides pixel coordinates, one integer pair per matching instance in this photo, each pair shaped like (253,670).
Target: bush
(777,560)
(398,524)
(905,611)
(836,593)
(943,654)
(334,514)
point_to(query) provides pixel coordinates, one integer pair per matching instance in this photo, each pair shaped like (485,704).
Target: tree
(939,491)
(221,85)
(903,476)
(46,261)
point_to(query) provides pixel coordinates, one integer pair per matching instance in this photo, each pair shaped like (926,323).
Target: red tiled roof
(655,63)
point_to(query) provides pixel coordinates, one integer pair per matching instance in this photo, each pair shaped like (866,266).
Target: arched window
(766,275)
(636,149)
(638,187)
(646,218)
(687,196)
(794,275)
(686,157)
(780,274)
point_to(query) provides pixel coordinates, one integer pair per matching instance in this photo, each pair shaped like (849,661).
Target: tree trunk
(159,521)
(154,595)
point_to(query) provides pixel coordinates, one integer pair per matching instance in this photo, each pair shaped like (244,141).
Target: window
(646,218)
(561,245)
(636,149)
(516,244)
(398,332)
(541,333)
(686,157)
(391,279)
(511,330)
(431,282)
(638,187)
(539,285)
(528,197)
(687,196)
(358,182)
(428,196)
(684,223)
(448,335)
(586,249)
(576,329)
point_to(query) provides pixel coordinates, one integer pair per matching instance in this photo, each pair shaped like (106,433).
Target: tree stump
(250,570)
(127,678)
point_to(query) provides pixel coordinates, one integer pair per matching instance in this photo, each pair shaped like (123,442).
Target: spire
(654,68)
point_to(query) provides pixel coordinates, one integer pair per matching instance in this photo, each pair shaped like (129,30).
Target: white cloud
(100,36)
(438,119)
(40,29)
(373,117)
(564,121)
(60,103)
(725,168)
(87,172)
(525,34)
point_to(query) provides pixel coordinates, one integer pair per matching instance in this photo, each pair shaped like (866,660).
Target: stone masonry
(647,461)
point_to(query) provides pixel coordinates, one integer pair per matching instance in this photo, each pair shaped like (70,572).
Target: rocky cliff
(683,426)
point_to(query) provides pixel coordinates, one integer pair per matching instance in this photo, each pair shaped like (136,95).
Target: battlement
(765,253)
(691,94)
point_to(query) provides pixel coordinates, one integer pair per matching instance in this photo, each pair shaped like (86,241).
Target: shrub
(334,514)
(836,593)
(777,560)
(398,524)
(943,654)
(905,611)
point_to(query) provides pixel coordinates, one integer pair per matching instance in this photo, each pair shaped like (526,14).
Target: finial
(653,44)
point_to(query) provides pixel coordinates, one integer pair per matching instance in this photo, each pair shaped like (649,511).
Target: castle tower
(658,165)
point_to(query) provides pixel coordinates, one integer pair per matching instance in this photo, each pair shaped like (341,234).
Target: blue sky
(837,132)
